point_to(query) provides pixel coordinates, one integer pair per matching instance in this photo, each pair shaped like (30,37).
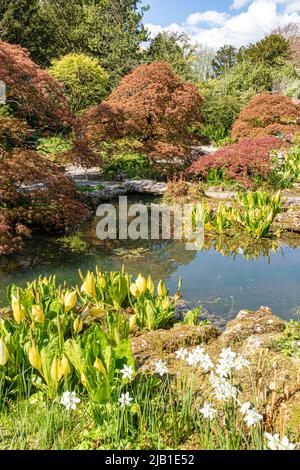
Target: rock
(145,186)
(289,220)
(149,346)
(217,194)
(292,200)
(249,323)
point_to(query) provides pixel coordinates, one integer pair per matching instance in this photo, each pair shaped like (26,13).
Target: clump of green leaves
(73,243)
(289,344)
(252,212)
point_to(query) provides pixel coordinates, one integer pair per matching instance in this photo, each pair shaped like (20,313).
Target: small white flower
(245,407)
(252,418)
(222,388)
(125,399)
(161,368)
(206,362)
(181,354)
(274,442)
(192,359)
(127,372)
(69,400)
(227,354)
(241,362)
(208,411)
(223,370)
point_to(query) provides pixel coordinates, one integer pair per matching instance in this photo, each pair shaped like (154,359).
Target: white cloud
(210,17)
(238,4)
(238,28)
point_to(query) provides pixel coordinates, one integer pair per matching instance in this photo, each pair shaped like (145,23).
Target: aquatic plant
(252,212)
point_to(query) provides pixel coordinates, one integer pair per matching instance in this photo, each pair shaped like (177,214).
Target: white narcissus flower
(227,354)
(181,353)
(161,368)
(127,372)
(223,389)
(192,359)
(208,411)
(125,399)
(275,443)
(240,362)
(252,418)
(206,363)
(245,407)
(223,370)
(69,400)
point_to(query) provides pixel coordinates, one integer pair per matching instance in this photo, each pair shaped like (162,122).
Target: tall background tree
(23,22)
(225,58)
(111,31)
(175,49)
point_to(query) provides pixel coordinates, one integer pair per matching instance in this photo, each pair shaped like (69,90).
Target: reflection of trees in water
(158,257)
(249,249)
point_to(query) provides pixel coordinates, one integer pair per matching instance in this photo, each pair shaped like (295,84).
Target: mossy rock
(248,323)
(153,345)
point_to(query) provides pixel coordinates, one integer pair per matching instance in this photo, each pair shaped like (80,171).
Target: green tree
(273,50)
(85,81)
(22,22)
(110,30)
(176,50)
(225,58)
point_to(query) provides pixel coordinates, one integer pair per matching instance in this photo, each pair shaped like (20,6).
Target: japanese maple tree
(151,104)
(241,162)
(268,114)
(34,191)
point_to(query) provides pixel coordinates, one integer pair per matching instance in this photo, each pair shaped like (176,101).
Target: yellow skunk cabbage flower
(132,322)
(83,379)
(98,364)
(165,303)
(35,358)
(88,287)
(150,285)
(38,314)
(102,282)
(134,290)
(65,366)
(56,370)
(70,300)
(4,354)
(141,284)
(161,289)
(78,325)
(18,309)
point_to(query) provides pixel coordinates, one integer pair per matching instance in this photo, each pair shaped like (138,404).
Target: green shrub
(219,114)
(85,81)
(133,165)
(53,145)
(286,171)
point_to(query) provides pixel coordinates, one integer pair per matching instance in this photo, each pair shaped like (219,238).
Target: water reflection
(229,274)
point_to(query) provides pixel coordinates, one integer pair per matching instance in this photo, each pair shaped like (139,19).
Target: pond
(226,276)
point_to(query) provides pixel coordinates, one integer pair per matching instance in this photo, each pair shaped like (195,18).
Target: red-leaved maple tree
(32,93)
(268,114)
(34,191)
(241,161)
(151,105)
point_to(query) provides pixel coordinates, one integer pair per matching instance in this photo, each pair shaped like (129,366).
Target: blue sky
(166,12)
(218,22)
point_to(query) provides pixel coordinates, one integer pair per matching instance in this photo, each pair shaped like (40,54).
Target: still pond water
(224,277)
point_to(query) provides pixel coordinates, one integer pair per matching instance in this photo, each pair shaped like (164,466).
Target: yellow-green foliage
(59,335)
(252,212)
(84,80)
